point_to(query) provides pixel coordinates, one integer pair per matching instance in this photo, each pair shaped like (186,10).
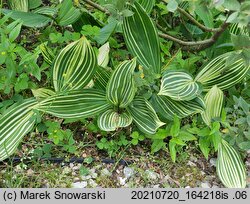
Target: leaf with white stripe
(224,71)
(179,86)
(42,93)
(111,120)
(103,55)
(121,86)
(230,168)
(144,115)
(74,66)
(141,38)
(75,104)
(14,125)
(19,5)
(147,5)
(214,102)
(168,108)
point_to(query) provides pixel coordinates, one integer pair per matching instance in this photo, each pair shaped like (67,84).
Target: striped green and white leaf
(168,108)
(19,5)
(111,120)
(144,115)
(75,104)
(14,125)
(68,14)
(230,168)
(214,103)
(74,66)
(103,55)
(121,86)
(48,11)
(179,86)
(224,71)
(47,53)
(147,5)
(141,38)
(42,93)
(101,78)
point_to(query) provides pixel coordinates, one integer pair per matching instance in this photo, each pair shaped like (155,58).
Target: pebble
(212,161)
(81,184)
(92,183)
(205,185)
(105,172)
(151,175)
(128,172)
(122,181)
(191,163)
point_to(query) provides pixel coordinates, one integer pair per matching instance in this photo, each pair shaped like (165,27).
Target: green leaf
(111,120)
(175,128)
(178,141)
(179,86)
(172,150)
(157,145)
(34,3)
(142,39)
(121,86)
(223,71)
(168,108)
(15,32)
(186,136)
(244,145)
(74,66)
(216,139)
(14,125)
(29,19)
(144,115)
(214,103)
(147,5)
(106,32)
(204,144)
(68,14)
(75,104)
(230,168)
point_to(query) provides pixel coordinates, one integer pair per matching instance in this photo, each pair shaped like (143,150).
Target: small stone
(151,175)
(82,184)
(105,172)
(122,181)
(71,165)
(156,186)
(205,185)
(92,183)
(128,172)
(30,172)
(214,186)
(212,161)
(191,163)
(84,178)
(187,187)
(66,170)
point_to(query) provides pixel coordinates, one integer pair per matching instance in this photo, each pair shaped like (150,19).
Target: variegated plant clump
(84,87)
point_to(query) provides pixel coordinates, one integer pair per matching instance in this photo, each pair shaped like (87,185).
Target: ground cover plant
(168,75)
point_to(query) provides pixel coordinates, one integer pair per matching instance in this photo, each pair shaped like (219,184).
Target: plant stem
(97,6)
(187,45)
(195,22)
